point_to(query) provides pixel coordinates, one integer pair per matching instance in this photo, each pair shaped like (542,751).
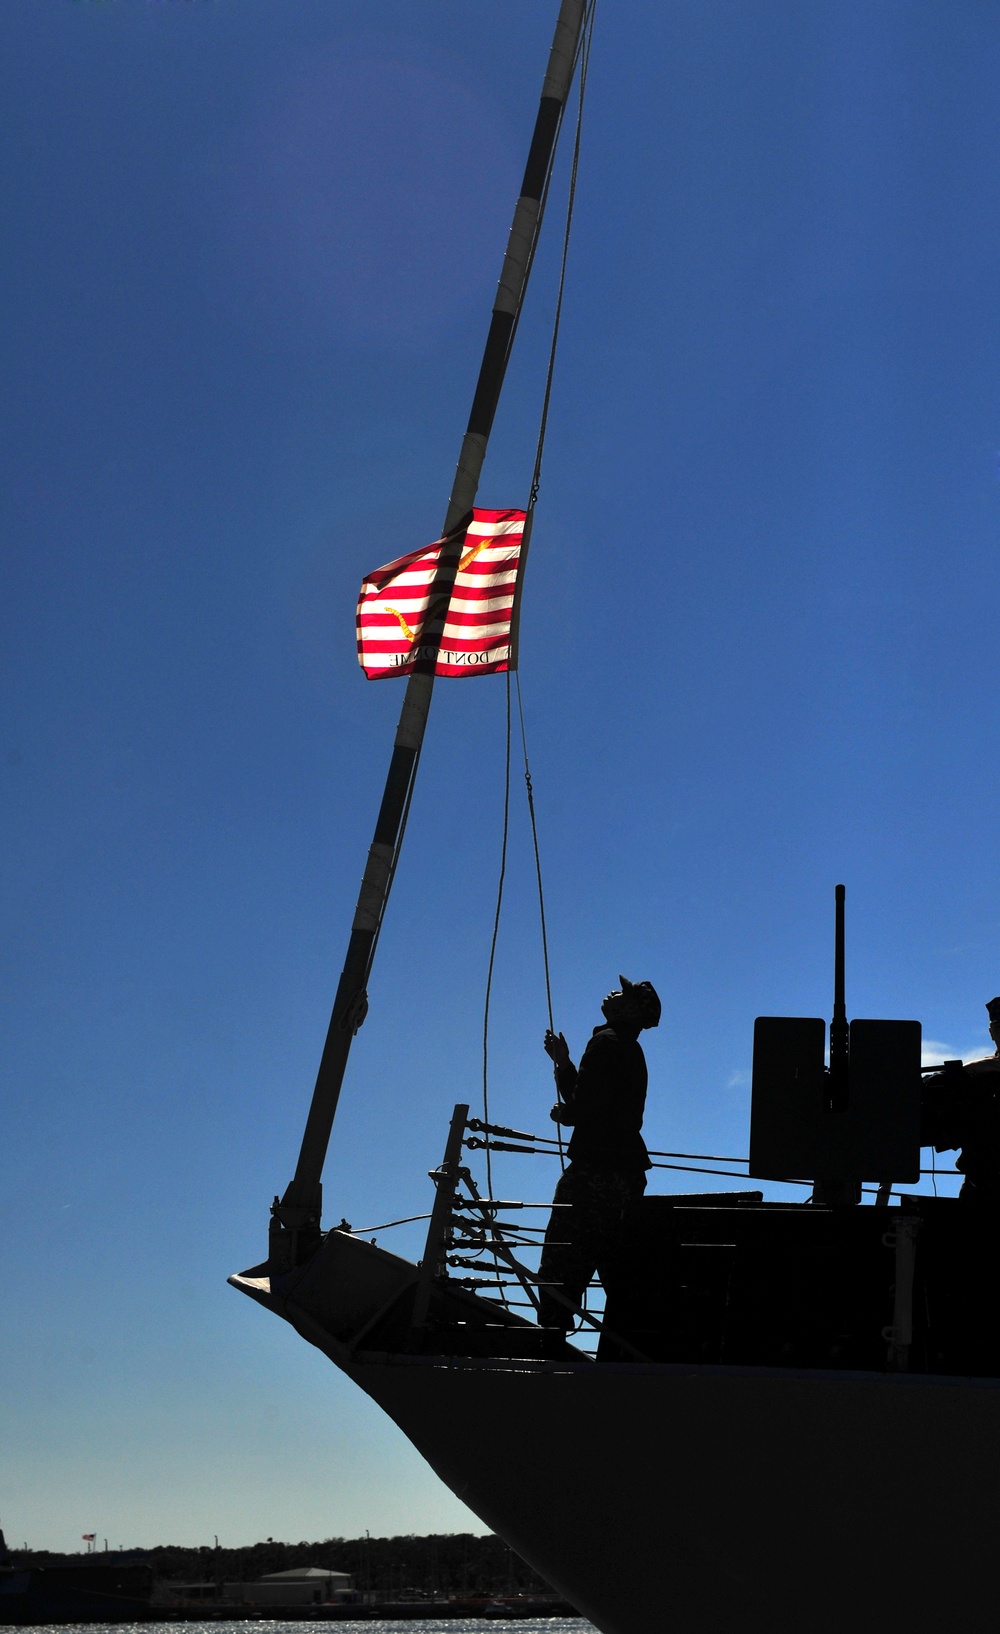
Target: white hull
(690,1499)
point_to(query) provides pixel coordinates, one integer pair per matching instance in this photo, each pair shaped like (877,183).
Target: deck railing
(484,1243)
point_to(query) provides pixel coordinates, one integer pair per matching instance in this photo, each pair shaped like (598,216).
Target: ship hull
(699,1500)
(91,1593)
(696,1499)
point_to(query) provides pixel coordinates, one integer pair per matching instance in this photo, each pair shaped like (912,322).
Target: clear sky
(249,252)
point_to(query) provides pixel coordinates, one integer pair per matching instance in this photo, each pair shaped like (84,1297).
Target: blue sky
(248,260)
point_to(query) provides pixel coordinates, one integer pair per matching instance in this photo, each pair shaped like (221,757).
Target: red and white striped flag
(478,622)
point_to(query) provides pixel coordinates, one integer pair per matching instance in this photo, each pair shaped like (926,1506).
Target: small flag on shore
(88,1537)
(399,618)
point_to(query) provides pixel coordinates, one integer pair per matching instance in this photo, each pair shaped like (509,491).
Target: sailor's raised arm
(557,1049)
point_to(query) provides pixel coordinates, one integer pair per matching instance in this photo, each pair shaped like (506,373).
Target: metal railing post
(446,1180)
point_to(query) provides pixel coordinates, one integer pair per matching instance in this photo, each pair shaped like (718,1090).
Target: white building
(302,1586)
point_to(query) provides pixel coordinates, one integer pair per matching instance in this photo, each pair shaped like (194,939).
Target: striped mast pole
(295,1217)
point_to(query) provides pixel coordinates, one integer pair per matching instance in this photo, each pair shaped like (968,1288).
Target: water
(366,1625)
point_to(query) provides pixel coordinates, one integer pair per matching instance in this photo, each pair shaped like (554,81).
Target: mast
(295,1217)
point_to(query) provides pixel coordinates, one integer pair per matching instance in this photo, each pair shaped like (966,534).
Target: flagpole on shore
(295,1217)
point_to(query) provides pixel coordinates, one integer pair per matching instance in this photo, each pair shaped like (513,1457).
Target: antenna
(839,1031)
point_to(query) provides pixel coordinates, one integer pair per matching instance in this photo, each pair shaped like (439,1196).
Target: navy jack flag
(477,623)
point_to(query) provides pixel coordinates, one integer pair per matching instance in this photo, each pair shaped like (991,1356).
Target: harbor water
(364,1625)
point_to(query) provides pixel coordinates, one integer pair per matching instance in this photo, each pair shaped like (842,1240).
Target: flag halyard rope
(584,59)
(541,893)
(538,861)
(493,942)
(587,35)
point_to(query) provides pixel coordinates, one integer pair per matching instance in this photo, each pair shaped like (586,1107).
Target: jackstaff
(295,1217)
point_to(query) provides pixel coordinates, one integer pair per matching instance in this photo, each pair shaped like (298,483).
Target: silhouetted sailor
(961,1109)
(603,1102)
(991,1062)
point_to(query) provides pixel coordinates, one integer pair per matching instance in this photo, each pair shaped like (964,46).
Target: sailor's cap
(648,1000)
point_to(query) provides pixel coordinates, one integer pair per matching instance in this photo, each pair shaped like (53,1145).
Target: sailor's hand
(561,1113)
(556,1048)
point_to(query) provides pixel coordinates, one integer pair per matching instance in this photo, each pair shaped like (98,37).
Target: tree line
(459,1563)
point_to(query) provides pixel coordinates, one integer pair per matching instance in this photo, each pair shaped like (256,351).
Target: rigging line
(732,1174)
(541,894)
(493,943)
(585,43)
(588,30)
(696,1157)
(543,201)
(583,56)
(538,861)
(363,1231)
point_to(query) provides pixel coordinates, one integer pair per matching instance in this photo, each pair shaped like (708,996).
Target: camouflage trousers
(583,1238)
